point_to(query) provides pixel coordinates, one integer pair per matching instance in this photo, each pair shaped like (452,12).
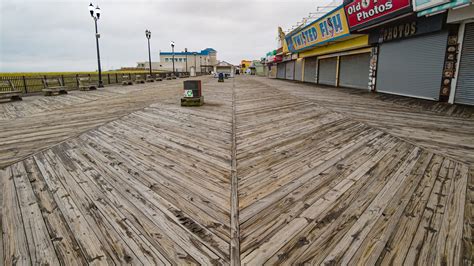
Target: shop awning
(442,8)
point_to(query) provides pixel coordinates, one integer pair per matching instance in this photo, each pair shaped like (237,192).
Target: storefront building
(460,56)
(411,55)
(413,51)
(271,61)
(328,54)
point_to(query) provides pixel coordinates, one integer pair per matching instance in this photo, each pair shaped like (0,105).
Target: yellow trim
(358,51)
(358,42)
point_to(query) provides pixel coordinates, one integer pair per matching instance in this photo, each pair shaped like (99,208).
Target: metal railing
(34,83)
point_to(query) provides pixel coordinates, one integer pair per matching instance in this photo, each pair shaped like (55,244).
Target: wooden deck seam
(234,219)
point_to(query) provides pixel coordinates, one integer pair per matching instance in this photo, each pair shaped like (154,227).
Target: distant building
(224,67)
(203,61)
(244,65)
(257,68)
(146,65)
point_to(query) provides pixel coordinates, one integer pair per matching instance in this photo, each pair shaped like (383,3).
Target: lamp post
(95,14)
(195,67)
(186,53)
(148,36)
(200,64)
(172,48)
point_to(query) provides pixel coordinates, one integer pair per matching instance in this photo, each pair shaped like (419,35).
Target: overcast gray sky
(58,35)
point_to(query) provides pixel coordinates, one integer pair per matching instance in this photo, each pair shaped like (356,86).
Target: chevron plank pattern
(61,117)
(258,175)
(149,188)
(317,187)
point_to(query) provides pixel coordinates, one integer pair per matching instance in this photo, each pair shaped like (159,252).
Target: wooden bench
(126,80)
(85,84)
(149,78)
(53,86)
(8,91)
(139,79)
(158,79)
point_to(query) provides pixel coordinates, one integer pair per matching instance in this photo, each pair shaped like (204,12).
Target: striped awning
(444,7)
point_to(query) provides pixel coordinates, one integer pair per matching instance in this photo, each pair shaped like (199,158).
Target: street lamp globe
(91,9)
(97,12)
(172,44)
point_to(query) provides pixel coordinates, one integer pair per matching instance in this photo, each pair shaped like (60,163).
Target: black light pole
(172,48)
(95,14)
(195,67)
(148,36)
(186,53)
(200,64)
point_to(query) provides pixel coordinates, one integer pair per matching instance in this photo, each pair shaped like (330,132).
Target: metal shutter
(310,70)
(299,70)
(281,70)
(290,70)
(412,67)
(327,71)
(354,71)
(465,83)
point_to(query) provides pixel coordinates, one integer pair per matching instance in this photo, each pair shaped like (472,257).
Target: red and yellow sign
(362,13)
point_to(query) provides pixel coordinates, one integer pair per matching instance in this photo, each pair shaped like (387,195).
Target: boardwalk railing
(34,83)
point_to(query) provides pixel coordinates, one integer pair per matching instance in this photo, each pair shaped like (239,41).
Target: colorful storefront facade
(329,54)
(415,48)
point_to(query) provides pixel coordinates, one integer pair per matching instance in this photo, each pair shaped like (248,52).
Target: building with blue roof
(203,61)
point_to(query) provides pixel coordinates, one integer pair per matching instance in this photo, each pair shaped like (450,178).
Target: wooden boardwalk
(261,174)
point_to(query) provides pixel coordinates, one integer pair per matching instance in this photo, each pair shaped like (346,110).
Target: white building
(224,67)
(203,61)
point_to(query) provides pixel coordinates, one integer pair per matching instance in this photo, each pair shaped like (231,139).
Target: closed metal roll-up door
(299,70)
(354,71)
(290,70)
(310,70)
(327,71)
(465,83)
(412,67)
(281,70)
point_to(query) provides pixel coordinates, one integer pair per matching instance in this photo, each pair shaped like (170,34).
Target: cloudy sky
(58,35)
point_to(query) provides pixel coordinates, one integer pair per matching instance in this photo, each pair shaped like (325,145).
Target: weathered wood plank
(91,246)
(40,247)
(15,243)
(67,249)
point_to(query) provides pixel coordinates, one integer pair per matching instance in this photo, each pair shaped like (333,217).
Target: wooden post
(24,84)
(62,80)
(108,78)
(116,78)
(77,80)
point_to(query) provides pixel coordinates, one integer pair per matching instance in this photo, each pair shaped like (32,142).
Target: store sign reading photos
(361,13)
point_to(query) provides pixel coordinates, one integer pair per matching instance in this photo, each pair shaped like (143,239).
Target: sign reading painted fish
(328,28)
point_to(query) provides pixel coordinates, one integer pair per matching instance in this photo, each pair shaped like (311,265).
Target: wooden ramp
(255,176)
